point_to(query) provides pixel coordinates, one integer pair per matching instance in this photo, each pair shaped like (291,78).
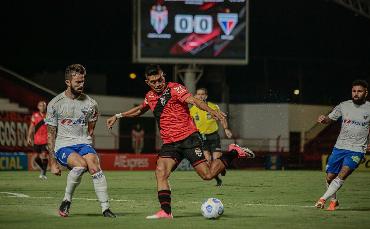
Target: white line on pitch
(14,194)
(20,195)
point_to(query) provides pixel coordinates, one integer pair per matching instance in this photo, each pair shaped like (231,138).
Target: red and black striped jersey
(171,112)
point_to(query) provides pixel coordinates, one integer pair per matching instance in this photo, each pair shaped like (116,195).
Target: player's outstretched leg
(100,183)
(334,203)
(334,186)
(208,172)
(219,181)
(162,173)
(70,159)
(73,180)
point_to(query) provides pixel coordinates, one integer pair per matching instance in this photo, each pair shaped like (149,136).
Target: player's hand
(218,115)
(321,119)
(54,169)
(110,121)
(29,141)
(228,133)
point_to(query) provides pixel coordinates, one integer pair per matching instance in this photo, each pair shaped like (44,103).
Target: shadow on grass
(118,214)
(227,216)
(354,209)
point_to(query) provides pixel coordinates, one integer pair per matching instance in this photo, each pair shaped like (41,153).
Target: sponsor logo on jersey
(352,122)
(159,18)
(198,152)
(356,159)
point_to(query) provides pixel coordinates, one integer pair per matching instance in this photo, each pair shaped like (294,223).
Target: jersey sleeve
(94,113)
(145,103)
(336,113)
(51,115)
(180,92)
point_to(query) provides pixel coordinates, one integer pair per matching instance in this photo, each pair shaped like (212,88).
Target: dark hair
(203,89)
(362,83)
(73,69)
(152,69)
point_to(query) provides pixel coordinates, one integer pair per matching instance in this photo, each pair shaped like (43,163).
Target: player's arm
(91,128)
(225,125)
(52,133)
(334,115)
(216,114)
(133,112)
(31,130)
(324,119)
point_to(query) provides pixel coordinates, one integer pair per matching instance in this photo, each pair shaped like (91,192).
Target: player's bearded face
(76,83)
(359,94)
(156,82)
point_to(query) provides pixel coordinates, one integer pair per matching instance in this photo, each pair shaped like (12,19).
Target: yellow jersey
(204,121)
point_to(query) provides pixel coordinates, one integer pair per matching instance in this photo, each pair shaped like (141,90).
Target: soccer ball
(212,208)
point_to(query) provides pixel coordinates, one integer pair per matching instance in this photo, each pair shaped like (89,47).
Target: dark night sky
(316,45)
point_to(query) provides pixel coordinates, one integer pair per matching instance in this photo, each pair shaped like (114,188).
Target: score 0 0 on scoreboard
(191,31)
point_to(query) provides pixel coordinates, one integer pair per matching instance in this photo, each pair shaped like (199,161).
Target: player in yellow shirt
(208,128)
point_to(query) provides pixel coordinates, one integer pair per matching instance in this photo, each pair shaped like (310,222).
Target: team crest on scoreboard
(227,22)
(159,21)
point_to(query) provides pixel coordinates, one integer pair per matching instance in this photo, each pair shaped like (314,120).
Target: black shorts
(40,148)
(190,148)
(212,142)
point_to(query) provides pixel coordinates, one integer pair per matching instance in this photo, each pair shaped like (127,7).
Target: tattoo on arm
(52,133)
(91,127)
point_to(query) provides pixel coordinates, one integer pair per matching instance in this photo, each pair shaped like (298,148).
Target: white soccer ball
(212,208)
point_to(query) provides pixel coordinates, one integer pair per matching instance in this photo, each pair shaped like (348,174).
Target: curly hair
(73,69)
(362,83)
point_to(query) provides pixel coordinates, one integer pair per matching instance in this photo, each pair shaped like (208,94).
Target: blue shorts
(63,153)
(342,157)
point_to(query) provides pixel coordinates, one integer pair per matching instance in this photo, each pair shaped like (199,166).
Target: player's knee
(94,169)
(81,163)
(161,173)
(206,176)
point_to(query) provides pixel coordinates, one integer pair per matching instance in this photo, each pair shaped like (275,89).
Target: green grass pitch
(252,199)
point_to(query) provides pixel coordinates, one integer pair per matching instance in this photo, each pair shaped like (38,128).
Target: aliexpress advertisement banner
(139,162)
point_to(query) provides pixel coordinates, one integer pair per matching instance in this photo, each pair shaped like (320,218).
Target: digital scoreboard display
(191,31)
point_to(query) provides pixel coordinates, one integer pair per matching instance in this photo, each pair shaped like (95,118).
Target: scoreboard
(191,31)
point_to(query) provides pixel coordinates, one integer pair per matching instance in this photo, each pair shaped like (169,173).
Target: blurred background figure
(38,137)
(137,138)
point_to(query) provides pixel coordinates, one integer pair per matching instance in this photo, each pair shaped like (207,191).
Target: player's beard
(359,100)
(76,92)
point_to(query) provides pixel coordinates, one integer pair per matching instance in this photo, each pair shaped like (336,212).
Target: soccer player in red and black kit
(38,129)
(181,139)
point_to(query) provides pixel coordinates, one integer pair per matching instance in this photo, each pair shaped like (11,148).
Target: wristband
(119,115)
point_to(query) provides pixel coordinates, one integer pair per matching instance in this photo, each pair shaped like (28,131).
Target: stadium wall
(253,124)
